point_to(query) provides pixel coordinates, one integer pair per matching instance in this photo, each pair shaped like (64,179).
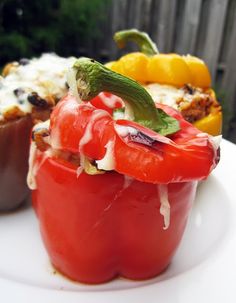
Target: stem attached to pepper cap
(93,78)
(147,46)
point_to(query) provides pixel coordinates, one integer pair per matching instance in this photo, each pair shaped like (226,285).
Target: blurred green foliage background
(28,28)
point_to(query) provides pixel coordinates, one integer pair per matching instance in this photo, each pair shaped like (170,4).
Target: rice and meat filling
(33,87)
(194,103)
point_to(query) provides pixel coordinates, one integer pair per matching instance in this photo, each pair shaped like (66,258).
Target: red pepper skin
(94,232)
(107,101)
(184,157)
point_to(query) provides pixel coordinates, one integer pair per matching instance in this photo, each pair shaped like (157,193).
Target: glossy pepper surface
(14,151)
(122,210)
(150,66)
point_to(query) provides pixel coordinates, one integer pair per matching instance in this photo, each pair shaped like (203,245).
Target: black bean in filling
(36,100)
(18,92)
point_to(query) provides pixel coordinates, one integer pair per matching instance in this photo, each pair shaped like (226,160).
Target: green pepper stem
(146,45)
(93,78)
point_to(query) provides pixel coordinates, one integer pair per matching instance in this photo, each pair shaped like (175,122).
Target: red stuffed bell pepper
(113,196)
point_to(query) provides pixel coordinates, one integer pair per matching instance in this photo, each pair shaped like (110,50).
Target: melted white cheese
(118,115)
(71,80)
(79,170)
(45,75)
(173,96)
(165,94)
(34,165)
(165,205)
(109,101)
(124,131)
(128,115)
(55,138)
(127,182)
(8,99)
(108,161)
(215,141)
(97,114)
(45,124)
(31,173)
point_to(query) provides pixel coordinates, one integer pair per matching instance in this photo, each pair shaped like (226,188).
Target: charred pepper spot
(36,100)
(142,138)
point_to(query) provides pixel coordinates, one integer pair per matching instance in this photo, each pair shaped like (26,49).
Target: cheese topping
(215,141)
(108,161)
(31,172)
(97,114)
(110,101)
(165,205)
(79,170)
(33,164)
(129,115)
(45,75)
(173,96)
(71,80)
(165,94)
(124,131)
(55,138)
(127,182)
(12,94)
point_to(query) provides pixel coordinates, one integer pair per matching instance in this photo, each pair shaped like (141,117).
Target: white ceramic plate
(203,270)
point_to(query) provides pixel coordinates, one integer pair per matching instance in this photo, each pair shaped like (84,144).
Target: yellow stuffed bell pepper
(183,82)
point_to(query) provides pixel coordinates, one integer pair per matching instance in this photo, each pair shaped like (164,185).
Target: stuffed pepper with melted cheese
(113,195)
(28,92)
(182,82)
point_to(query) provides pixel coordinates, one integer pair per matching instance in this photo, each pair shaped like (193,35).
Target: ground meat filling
(194,103)
(199,107)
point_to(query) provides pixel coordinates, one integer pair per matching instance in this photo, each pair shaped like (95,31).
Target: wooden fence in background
(206,28)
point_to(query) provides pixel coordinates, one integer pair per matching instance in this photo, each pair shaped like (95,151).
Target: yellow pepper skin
(168,69)
(173,69)
(199,71)
(211,124)
(132,65)
(149,66)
